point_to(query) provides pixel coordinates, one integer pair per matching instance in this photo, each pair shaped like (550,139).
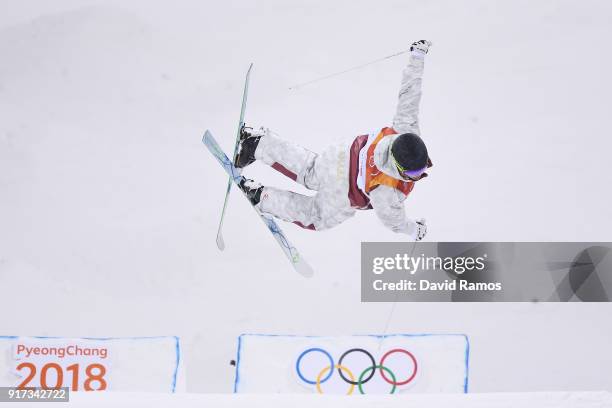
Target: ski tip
(207,135)
(303,269)
(220,242)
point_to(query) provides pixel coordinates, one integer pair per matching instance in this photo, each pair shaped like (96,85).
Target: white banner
(88,364)
(402,363)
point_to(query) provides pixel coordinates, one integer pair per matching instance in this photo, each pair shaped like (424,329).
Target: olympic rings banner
(352,365)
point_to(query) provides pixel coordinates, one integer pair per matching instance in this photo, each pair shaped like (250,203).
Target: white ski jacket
(387,202)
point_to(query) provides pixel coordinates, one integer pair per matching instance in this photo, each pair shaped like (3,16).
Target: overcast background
(109,202)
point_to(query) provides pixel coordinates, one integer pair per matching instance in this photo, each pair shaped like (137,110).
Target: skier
(376,171)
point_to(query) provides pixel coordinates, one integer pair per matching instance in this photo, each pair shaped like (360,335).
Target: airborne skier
(376,171)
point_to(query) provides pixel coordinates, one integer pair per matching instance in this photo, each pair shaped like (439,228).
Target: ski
(292,254)
(245,92)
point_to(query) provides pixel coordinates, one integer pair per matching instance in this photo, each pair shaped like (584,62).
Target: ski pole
(392,311)
(335,74)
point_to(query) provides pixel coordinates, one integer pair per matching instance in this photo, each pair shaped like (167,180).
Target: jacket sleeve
(388,203)
(406,116)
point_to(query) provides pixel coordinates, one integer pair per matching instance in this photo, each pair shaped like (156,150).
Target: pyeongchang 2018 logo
(356,369)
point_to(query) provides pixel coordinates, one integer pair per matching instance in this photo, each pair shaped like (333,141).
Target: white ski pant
(325,173)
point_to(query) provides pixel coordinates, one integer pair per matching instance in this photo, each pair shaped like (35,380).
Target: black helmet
(409,152)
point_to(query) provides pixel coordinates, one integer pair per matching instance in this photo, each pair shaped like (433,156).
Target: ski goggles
(412,175)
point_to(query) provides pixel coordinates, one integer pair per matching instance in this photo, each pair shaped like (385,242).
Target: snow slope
(498,400)
(109,201)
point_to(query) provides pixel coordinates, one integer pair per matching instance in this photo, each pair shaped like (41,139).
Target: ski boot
(249,139)
(252,190)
